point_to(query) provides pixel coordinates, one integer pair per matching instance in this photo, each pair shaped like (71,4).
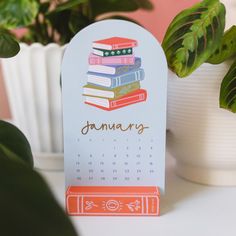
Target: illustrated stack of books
(114,74)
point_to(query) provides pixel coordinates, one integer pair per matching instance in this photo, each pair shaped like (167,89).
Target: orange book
(112,201)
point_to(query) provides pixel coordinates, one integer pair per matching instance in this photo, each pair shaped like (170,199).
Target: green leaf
(59,22)
(27,205)
(193,36)
(68,5)
(14,145)
(17,13)
(228,90)
(103,6)
(78,21)
(9,47)
(227,47)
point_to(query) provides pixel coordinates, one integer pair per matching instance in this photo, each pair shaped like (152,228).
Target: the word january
(112,127)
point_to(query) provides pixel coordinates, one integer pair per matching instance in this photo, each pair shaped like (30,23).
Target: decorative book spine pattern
(111,204)
(114,76)
(123,90)
(109,53)
(118,60)
(124,101)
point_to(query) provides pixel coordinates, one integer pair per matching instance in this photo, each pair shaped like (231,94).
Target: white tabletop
(187,209)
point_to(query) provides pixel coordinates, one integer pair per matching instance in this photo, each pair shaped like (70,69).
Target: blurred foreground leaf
(14,144)
(27,205)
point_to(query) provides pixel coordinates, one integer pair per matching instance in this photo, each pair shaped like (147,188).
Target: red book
(114,43)
(112,200)
(139,95)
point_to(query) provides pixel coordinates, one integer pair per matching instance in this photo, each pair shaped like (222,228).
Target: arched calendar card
(114,82)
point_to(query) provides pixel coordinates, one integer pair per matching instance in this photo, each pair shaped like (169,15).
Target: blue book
(113,81)
(115,69)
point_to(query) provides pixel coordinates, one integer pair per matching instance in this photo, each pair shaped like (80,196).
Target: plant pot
(32,81)
(201,136)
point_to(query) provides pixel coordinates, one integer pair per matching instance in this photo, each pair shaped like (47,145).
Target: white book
(103,102)
(102,69)
(98,52)
(98,92)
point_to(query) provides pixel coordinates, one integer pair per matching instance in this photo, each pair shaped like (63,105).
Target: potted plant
(32,78)
(27,205)
(201,107)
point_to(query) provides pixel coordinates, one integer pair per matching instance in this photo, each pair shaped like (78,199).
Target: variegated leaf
(228,90)
(18,13)
(227,47)
(9,47)
(193,36)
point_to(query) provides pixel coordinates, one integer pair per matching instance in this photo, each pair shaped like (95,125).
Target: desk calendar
(114,79)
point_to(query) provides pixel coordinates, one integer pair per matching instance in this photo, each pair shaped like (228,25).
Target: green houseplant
(32,77)
(201,135)
(27,205)
(57,21)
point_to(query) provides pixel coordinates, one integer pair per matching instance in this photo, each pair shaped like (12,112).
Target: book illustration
(110,104)
(113,81)
(109,53)
(115,69)
(115,43)
(113,77)
(116,60)
(111,200)
(98,91)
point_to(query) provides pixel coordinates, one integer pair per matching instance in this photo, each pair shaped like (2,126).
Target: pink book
(116,60)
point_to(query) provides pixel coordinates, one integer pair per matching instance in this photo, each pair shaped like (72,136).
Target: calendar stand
(112,200)
(114,79)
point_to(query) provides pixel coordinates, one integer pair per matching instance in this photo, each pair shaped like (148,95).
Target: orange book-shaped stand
(112,201)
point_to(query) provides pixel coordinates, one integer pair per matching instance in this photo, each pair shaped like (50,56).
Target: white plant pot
(32,81)
(201,137)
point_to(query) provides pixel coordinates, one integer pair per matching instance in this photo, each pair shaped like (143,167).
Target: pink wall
(155,21)
(158,20)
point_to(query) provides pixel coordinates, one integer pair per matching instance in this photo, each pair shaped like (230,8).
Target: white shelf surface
(187,209)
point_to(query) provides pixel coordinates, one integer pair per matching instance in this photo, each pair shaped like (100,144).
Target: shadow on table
(177,189)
